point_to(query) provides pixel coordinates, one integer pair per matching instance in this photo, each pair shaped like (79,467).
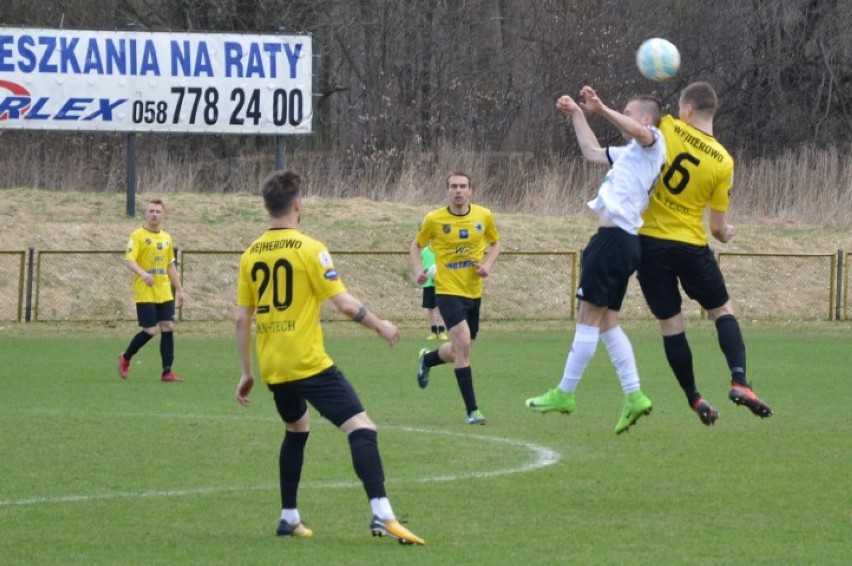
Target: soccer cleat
(171,376)
(553,400)
(743,395)
(123,366)
(432,336)
(705,411)
(423,371)
(476,417)
(285,529)
(635,405)
(393,528)
(443,336)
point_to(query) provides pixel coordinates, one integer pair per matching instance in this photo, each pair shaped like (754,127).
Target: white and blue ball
(658,59)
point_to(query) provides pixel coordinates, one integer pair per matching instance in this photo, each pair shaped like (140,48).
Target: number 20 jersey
(698,171)
(286,276)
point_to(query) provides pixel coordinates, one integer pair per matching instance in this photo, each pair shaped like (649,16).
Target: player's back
(698,173)
(286,275)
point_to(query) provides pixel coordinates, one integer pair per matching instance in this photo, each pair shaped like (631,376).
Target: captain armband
(359,316)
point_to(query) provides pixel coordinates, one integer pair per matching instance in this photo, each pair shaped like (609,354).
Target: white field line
(541,457)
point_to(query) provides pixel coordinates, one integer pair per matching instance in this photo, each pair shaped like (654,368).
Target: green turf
(96,470)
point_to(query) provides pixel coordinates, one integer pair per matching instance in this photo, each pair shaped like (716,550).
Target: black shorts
(455,309)
(149,314)
(329,392)
(665,263)
(609,260)
(429,297)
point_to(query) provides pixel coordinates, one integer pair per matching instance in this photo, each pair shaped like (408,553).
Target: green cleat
(476,417)
(553,400)
(635,405)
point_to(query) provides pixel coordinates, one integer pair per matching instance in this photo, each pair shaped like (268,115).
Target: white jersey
(623,195)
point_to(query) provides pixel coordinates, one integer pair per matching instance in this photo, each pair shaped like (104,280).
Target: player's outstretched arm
(627,125)
(592,150)
(351,307)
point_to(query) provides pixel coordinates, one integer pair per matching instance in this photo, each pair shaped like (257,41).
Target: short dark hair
(158,201)
(701,96)
(652,105)
(459,174)
(280,190)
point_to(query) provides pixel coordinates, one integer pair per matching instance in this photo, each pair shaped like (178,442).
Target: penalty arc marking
(541,457)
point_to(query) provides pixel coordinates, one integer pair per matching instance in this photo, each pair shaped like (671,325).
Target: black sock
(136,343)
(432,359)
(167,350)
(441,329)
(731,342)
(464,377)
(679,356)
(290,461)
(434,329)
(364,446)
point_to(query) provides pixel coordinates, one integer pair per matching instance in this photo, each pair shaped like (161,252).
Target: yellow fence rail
(88,285)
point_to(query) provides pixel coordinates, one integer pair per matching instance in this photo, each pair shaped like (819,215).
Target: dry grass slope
(87,221)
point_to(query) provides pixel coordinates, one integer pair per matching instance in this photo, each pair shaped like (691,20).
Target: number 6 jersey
(286,276)
(698,171)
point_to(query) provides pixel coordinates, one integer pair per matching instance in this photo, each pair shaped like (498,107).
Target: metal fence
(69,285)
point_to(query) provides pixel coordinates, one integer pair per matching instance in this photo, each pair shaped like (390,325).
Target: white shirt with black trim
(623,195)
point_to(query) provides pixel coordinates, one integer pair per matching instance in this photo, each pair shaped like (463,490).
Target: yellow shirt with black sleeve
(459,243)
(286,276)
(698,171)
(153,252)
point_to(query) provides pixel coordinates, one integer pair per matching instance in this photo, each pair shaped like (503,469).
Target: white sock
(291,516)
(382,508)
(621,353)
(582,350)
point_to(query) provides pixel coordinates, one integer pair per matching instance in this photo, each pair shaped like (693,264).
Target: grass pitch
(96,470)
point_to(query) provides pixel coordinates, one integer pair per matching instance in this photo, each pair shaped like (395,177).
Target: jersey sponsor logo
(275,326)
(463,234)
(325,259)
(462,264)
(331,274)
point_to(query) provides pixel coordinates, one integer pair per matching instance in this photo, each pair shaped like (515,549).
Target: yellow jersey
(153,252)
(698,172)
(459,243)
(286,276)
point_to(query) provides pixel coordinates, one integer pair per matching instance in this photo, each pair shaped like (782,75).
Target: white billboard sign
(155,81)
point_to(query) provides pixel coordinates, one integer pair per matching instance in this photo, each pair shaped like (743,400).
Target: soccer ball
(657,59)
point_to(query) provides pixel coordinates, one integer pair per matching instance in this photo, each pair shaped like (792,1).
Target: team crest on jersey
(463,234)
(147,241)
(445,228)
(325,259)
(331,274)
